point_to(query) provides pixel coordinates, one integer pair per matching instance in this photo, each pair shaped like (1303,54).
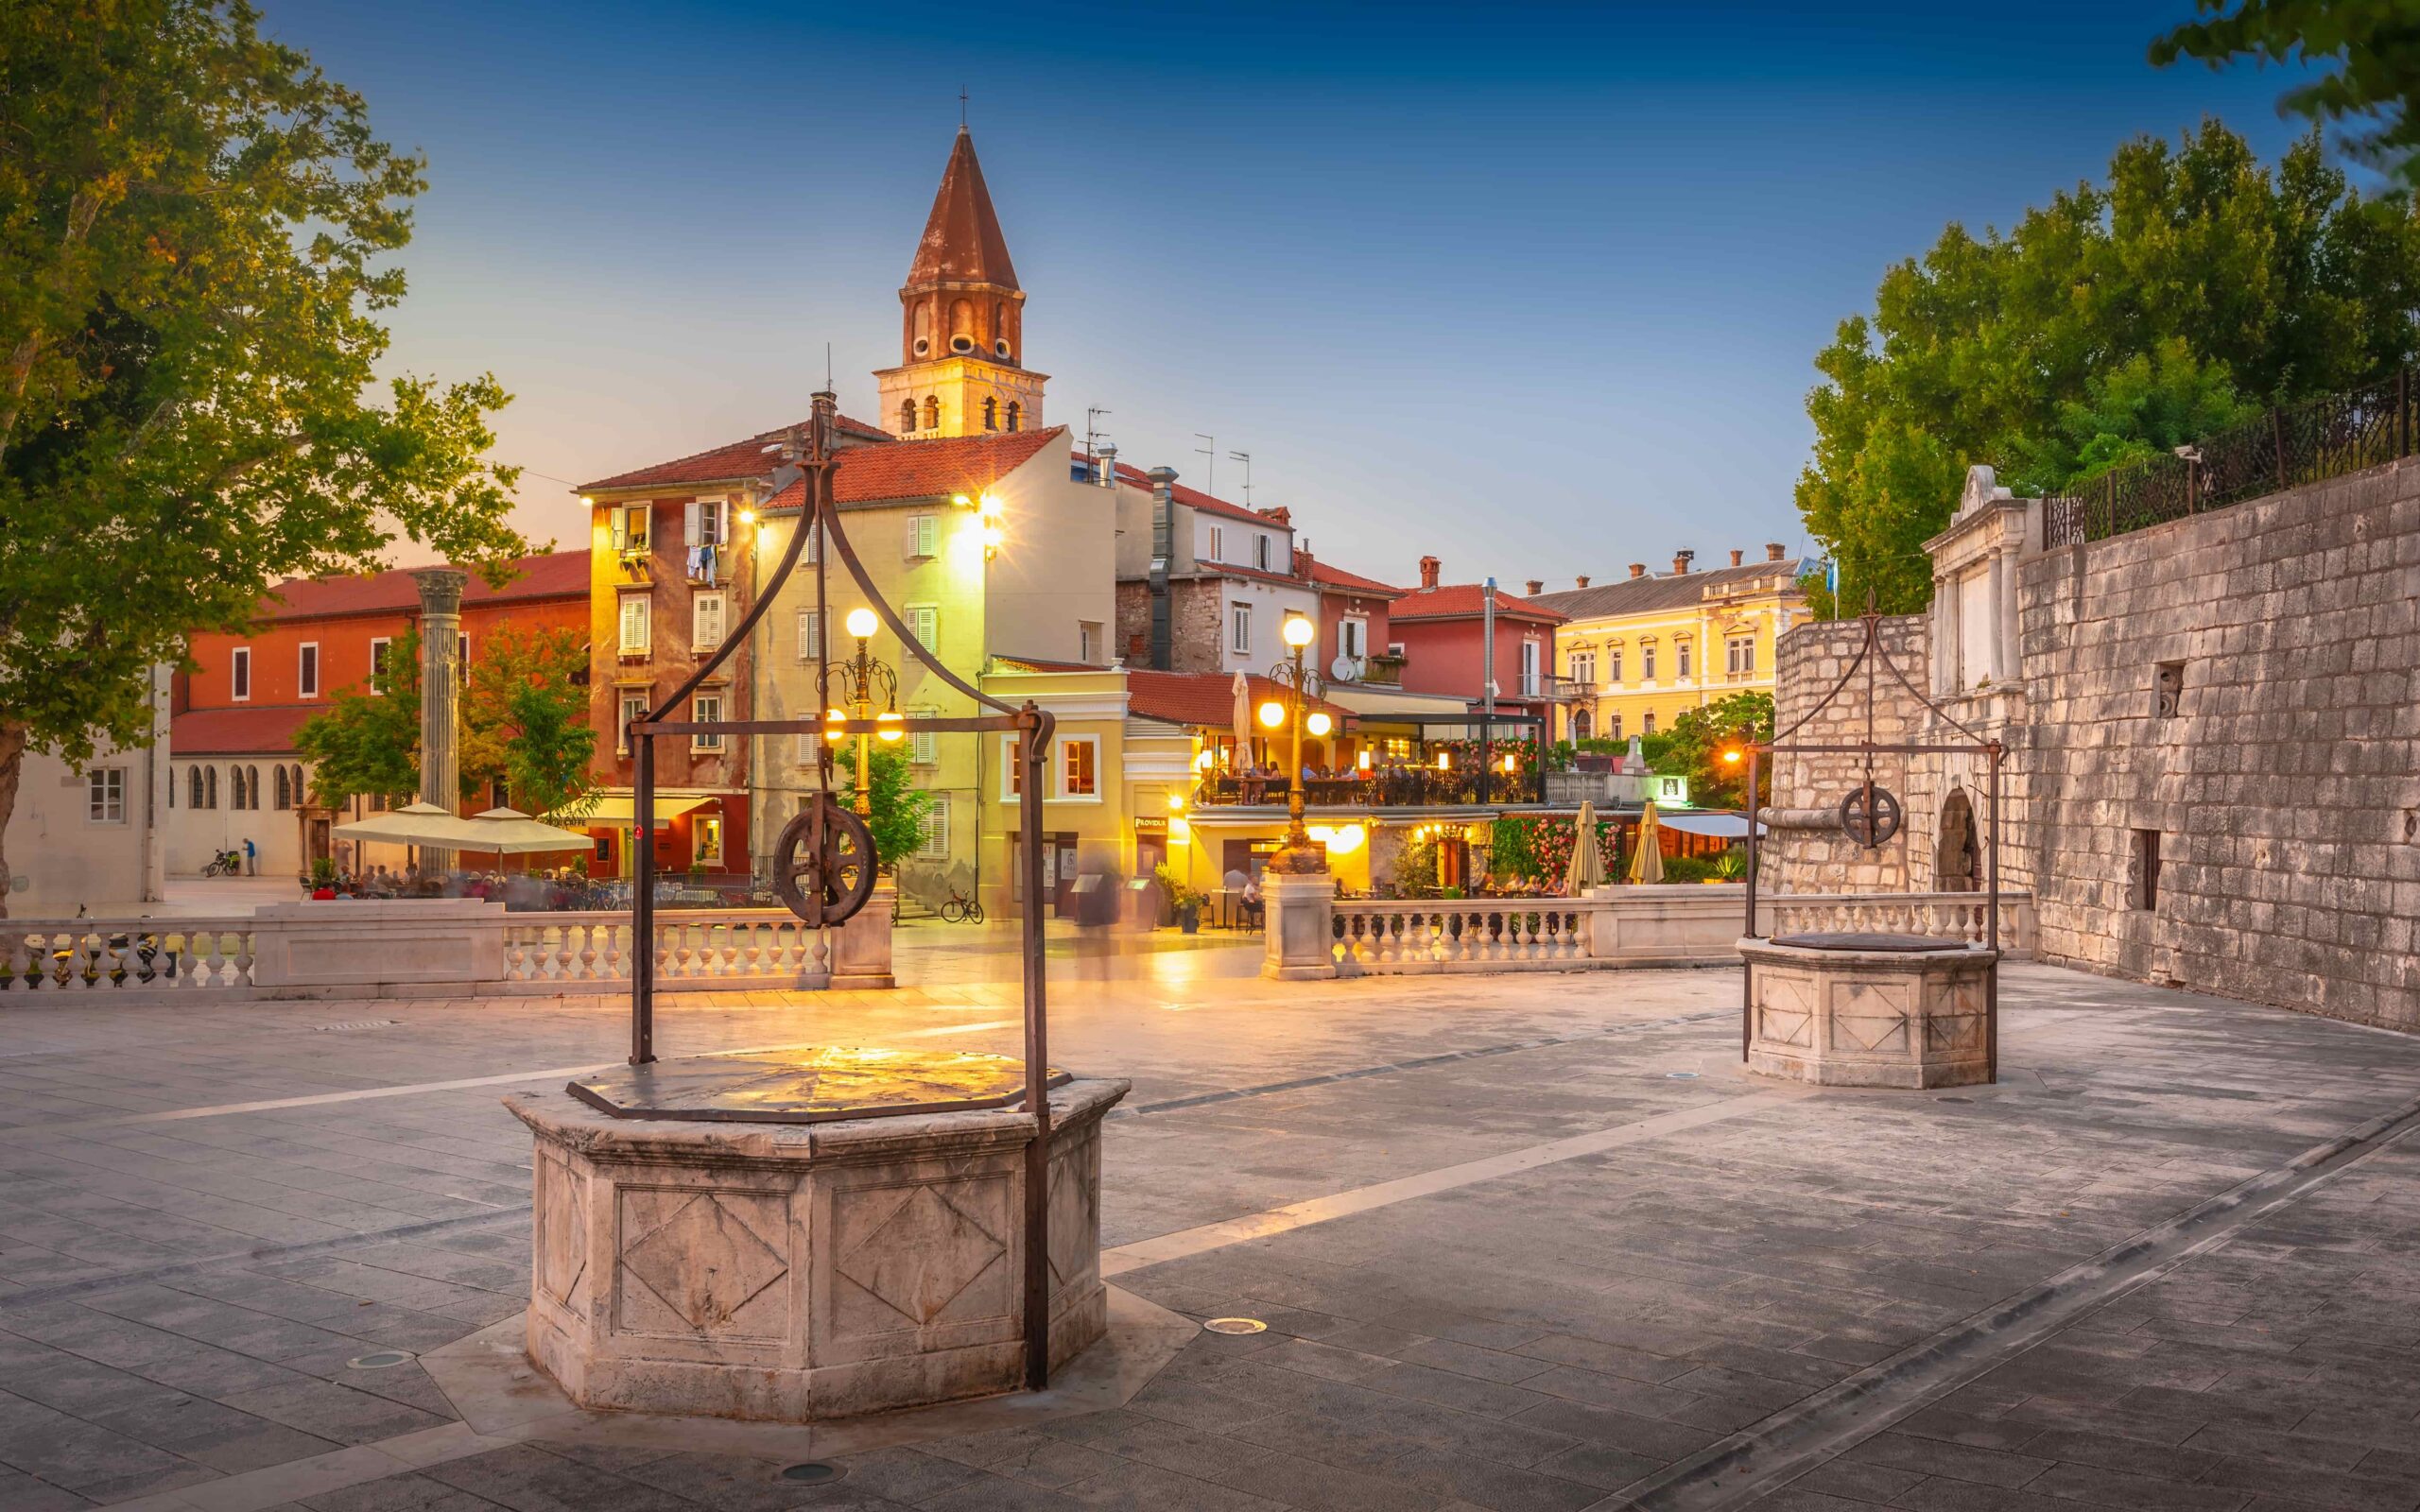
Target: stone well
(1870,1010)
(714,1237)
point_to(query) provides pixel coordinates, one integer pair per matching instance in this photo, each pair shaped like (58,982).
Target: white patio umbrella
(511,832)
(417,823)
(1587,867)
(1647,867)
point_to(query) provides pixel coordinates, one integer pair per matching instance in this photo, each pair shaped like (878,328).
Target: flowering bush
(1539,850)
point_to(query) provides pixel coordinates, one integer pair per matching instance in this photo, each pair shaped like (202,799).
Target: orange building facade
(235,774)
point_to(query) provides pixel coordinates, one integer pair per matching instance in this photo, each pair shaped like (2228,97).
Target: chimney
(1735,555)
(1581,580)
(1163,545)
(1108,465)
(1775,550)
(1535,586)
(1638,569)
(1681,560)
(1428,569)
(1278,514)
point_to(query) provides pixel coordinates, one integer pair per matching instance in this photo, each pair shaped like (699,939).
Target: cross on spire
(961,105)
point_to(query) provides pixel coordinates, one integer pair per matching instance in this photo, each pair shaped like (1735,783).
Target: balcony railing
(1405,787)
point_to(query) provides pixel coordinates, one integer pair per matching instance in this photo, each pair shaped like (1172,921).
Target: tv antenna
(1093,434)
(1210,478)
(1245,458)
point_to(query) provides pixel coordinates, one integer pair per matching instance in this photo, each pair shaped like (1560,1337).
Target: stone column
(1300,908)
(440,625)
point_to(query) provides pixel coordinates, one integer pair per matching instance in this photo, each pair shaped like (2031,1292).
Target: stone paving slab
(179,1300)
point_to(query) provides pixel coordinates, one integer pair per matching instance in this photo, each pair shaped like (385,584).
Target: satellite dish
(1343,669)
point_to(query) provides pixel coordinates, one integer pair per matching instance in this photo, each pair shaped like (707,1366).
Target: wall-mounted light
(1176,802)
(1445,761)
(747,517)
(1362,761)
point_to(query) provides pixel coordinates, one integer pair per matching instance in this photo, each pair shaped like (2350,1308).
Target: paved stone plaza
(1519,1243)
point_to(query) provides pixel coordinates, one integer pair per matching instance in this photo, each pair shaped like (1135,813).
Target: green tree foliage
(194,229)
(367,744)
(2374,47)
(524,722)
(1699,737)
(2193,286)
(899,805)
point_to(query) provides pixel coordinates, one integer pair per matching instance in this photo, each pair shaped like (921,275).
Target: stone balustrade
(1959,916)
(1632,926)
(428,948)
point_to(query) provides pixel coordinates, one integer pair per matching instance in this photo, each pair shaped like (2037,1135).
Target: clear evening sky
(1535,289)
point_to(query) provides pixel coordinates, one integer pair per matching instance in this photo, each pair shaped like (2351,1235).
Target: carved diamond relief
(920,1257)
(1787,1014)
(563,1229)
(1075,1220)
(700,1259)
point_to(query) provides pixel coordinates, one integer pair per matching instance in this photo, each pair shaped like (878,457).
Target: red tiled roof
(1205,699)
(1465,600)
(267,731)
(727,463)
(923,470)
(557,574)
(1327,576)
(1230,569)
(1192,498)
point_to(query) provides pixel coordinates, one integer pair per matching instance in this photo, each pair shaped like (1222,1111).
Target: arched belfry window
(932,411)
(1016,415)
(907,415)
(990,413)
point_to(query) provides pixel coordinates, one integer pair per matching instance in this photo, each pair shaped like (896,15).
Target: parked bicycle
(225,864)
(960,909)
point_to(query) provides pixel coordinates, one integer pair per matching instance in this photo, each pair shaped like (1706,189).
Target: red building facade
(1442,629)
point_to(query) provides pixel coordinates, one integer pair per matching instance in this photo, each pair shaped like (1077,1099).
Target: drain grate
(812,1472)
(1679,1076)
(382,1360)
(1236,1325)
(351,1025)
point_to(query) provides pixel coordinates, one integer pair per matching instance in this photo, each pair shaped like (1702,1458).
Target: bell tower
(961,321)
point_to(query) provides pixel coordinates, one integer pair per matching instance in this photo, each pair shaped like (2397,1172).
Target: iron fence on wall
(2322,438)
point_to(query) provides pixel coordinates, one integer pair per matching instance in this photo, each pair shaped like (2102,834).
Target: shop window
(705,839)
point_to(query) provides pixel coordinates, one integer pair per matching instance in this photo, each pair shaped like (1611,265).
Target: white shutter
(689,523)
(936,828)
(924,746)
(913,521)
(806,637)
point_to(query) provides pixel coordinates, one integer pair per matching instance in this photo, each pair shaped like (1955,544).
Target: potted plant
(1184,903)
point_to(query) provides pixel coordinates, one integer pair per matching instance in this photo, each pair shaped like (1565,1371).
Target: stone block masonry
(2255,830)
(2214,751)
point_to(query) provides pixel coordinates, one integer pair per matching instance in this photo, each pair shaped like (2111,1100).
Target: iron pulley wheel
(1875,827)
(824,864)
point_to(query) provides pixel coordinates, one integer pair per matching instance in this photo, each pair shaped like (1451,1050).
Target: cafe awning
(614,811)
(1714,826)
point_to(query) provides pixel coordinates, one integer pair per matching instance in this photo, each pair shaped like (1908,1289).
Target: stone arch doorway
(1957,864)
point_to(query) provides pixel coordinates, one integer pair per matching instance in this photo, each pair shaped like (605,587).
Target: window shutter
(689,523)
(911,535)
(621,530)
(936,828)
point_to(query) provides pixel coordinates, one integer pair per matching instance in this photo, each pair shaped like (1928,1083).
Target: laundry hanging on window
(701,563)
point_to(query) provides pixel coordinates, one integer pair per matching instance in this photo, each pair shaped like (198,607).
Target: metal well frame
(1869,654)
(809,460)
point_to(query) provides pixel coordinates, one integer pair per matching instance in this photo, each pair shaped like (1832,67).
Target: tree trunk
(12,760)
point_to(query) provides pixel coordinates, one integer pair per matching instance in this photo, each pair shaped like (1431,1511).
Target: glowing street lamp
(859,678)
(1299,853)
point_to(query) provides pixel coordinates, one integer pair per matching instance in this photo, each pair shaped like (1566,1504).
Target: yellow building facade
(1643,650)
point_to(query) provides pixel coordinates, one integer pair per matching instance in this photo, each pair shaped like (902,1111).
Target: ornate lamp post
(858,680)
(1300,855)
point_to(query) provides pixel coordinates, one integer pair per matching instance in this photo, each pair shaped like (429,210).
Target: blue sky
(1534,289)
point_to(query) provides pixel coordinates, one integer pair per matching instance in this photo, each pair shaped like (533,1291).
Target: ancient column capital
(440,589)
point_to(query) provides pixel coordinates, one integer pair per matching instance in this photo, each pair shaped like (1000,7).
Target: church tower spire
(962,332)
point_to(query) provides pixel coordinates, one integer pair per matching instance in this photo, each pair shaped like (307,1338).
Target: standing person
(251,858)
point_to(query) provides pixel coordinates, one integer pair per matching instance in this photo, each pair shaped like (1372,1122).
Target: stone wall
(1813,659)
(1196,621)
(2279,779)
(2285,787)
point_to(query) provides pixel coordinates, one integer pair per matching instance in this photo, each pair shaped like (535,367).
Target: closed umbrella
(1243,720)
(1587,867)
(1647,866)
